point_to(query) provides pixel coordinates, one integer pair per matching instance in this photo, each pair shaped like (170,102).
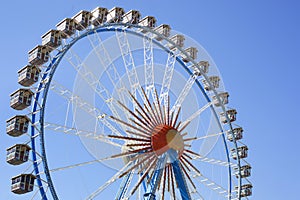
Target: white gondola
(99,16)
(132,17)
(67,26)
(242,152)
(17,125)
(246,190)
(28,75)
(148,21)
(52,39)
(204,65)
(231,114)
(178,40)
(191,54)
(22,183)
(223,98)
(115,15)
(163,29)
(245,171)
(236,134)
(17,154)
(215,82)
(82,19)
(201,67)
(21,99)
(38,55)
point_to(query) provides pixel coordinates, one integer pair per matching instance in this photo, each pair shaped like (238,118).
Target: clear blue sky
(256,45)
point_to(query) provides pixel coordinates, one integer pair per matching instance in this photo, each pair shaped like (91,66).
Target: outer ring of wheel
(50,70)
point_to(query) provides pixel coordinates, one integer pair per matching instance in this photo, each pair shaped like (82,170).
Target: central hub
(164,137)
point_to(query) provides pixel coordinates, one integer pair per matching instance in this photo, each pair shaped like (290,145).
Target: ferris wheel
(114,107)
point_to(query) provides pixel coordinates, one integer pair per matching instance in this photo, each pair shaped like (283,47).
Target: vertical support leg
(182,185)
(179,176)
(124,186)
(150,193)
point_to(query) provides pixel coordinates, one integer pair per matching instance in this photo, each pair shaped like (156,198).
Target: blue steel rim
(52,68)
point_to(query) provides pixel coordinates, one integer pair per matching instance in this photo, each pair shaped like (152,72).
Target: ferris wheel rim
(53,65)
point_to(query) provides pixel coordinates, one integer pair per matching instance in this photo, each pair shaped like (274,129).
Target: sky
(255,44)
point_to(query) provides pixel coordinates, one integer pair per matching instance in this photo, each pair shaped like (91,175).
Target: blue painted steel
(43,152)
(150,193)
(52,68)
(35,164)
(144,184)
(179,176)
(49,74)
(124,186)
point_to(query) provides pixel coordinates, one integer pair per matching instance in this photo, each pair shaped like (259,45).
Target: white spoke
(113,74)
(141,178)
(208,136)
(35,194)
(111,70)
(126,182)
(77,165)
(128,61)
(194,115)
(110,181)
(80,133)
(211,185)
(213,161)
(80,103)
(86,163)
(184,92)
(89,77)
(148,64)
(164,92)
(156,164)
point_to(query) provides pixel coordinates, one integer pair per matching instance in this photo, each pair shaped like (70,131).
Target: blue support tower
(172,156)
(124,186)
(150,193)
(184,192)
(179,176)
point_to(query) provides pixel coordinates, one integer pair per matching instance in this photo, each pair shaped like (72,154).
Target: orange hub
(165,137)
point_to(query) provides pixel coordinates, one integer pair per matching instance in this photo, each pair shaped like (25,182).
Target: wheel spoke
(35,194)
(128,61)
(146,172)
(80,103)
(125,185)
(109,182)
(166,83)
(90,78)
(211,185)
(77,165)
(80,133)
(208,136)
(148,64)
(106,61)
(186,89)
(212,161)
(198,176)
(195,114)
